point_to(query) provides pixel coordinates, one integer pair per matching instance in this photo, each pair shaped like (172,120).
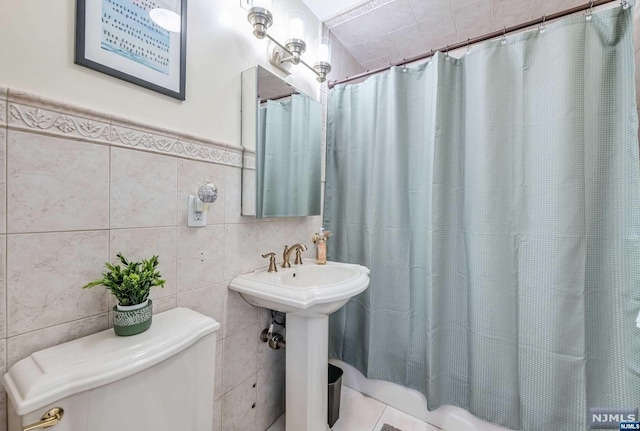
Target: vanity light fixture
(296,44)
(260,17)
(322,66)
(199,205)
(289,53)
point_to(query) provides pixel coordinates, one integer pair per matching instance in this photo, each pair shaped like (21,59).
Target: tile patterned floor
(359,412)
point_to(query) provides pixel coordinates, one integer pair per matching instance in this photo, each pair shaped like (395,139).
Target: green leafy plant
(130,284)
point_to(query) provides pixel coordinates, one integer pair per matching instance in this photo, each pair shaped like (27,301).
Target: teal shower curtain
(495,199)
(289,150)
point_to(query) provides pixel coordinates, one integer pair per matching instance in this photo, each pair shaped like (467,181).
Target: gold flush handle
(49,419)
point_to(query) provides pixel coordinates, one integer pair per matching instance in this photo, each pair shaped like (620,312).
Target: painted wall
(80,183)
(220,45)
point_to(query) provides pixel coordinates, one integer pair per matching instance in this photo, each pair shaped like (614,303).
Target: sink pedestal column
(307,376)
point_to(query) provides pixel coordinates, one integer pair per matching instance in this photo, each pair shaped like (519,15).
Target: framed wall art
(119,38)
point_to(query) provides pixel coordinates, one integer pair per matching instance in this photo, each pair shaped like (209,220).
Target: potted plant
(130,285)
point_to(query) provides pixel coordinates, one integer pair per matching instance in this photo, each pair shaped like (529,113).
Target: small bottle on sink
(320,239)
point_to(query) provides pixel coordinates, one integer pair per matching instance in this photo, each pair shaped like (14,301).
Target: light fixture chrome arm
(321,74)
(290,53)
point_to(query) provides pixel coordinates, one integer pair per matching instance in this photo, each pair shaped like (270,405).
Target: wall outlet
(195,219)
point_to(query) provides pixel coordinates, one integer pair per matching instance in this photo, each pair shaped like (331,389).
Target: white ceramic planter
(133,319)
(132,307)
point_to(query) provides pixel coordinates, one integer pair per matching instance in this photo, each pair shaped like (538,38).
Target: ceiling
(382,31)
(325,9)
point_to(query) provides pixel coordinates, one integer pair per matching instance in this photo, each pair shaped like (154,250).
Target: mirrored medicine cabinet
(281,138)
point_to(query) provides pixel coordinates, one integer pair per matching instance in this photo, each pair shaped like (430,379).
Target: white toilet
(160,380)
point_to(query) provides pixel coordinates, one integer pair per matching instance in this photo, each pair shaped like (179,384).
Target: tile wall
(77,187)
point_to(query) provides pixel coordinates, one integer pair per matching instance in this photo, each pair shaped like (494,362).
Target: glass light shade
(324,50)
(296,24)
(167,19)
(266,4)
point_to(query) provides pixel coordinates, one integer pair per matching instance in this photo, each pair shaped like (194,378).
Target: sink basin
(307,289)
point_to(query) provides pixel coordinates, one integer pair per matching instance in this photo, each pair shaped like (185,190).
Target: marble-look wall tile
(141,197)
(200,257)
(3,361)
(56,184)
(161,305)
(3,184)
(21,346)
(242,252)
(3,286)
(192,175)
(217,415)
(275,234)
(270,396)
(266,355)
(143,189)
(138,244)
(239,314)
(233,197)
(3,411)
(239,407)
(279,425)
(45,273)
(217,385)
(239,358)
(208,301)
(13,420)
(3,106)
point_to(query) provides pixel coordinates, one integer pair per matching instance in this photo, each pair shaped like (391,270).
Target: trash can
(335,386)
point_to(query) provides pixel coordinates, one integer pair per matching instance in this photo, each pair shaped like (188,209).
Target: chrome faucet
(287,253)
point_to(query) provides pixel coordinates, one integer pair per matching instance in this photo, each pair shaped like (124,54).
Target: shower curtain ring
(590,11)
(504,36)
(542,27)
(446,53)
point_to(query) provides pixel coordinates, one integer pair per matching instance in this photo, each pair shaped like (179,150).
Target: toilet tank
(160,380)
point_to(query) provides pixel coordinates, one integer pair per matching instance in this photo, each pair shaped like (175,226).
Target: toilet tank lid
(102,358)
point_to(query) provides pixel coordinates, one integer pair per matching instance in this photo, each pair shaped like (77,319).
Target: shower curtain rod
(478,39)
(281,96)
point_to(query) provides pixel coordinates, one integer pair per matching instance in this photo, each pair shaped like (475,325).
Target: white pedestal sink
(308,293)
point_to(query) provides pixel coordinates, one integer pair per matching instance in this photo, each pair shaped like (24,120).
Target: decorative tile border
(356,12)
(54,123)
(32,113)
(249,160)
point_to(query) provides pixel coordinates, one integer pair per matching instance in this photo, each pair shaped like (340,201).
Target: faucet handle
(285,257)
(272,261)
(298,260)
